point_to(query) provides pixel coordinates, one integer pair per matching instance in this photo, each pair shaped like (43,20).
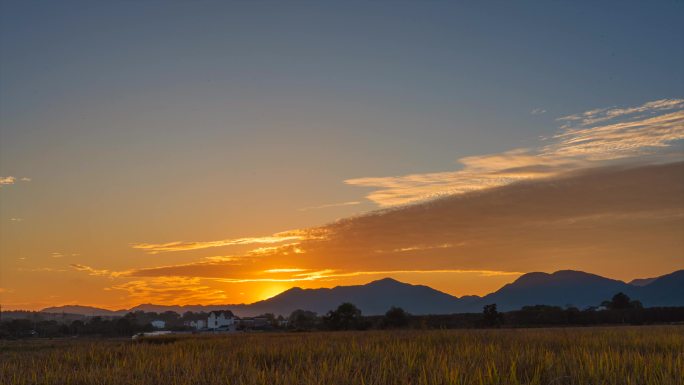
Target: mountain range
(562,288)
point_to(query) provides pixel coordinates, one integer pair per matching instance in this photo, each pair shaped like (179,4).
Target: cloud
(98,272)
(153,248)
(538,111)
(208,267)
(598,115)
(657,126)
(42,269)
(329,205)
(420,247)
(286,270)
(617,213)
(330,274)
(479,172)
(172,290)
(618,140)
(8,180)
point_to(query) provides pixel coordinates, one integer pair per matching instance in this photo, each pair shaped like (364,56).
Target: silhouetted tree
(302,320)
(621,301)
(346,317)
(491,316)
(396,317)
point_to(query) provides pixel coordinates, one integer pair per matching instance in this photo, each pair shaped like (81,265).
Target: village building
(158,324)
(221,320)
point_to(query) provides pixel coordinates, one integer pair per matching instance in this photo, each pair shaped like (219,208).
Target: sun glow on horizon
(271,290)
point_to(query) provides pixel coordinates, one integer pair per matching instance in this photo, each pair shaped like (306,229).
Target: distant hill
(84,310)
(562,288)
(667,290)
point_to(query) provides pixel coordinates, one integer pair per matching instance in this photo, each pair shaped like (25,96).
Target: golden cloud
(329,274)
(154,248)
(175,290)
(99,272)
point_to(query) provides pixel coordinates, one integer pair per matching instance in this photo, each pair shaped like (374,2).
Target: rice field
(649,355)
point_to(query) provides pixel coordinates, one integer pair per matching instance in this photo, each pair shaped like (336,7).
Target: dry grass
(588,356)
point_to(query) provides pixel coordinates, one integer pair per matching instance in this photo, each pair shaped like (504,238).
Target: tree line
(618,310)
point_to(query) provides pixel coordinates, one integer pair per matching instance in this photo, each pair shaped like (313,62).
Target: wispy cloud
(598,115)
(153,248)
(329,274)
(538,111)
(618,140)
(8,180)
(42,269)
(175,290)
(217,266)
(625,133)
(286,270)
(98,272)
(330,205)
(406,249)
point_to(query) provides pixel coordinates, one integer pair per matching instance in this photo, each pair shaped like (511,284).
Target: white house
(158,324)
(221,319)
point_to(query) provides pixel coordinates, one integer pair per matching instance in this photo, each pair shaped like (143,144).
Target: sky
(222,152)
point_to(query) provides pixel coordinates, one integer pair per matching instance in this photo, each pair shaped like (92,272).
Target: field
(579,356)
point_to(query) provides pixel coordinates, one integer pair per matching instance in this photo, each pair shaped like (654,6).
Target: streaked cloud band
(624,133)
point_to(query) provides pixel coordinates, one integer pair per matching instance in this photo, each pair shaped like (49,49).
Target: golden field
(649,355)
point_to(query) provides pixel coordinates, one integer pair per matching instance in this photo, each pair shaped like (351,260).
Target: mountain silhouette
(373,298)
(562,288)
